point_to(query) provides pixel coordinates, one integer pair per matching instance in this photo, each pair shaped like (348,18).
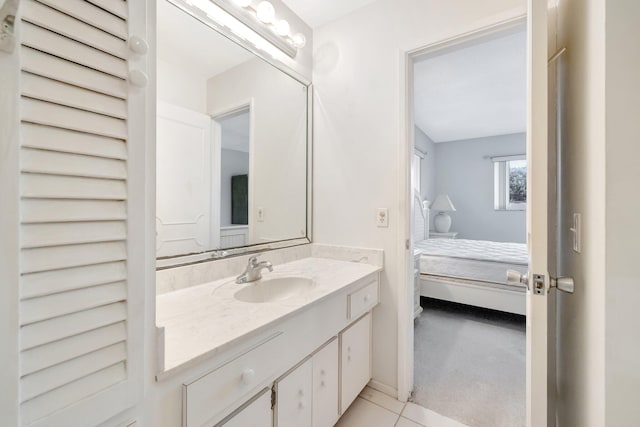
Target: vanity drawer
(363,299)
(231,384)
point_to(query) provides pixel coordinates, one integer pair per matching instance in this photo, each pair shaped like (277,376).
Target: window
(510,183)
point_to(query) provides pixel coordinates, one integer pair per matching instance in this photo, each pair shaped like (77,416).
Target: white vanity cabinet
(314,364)
(308,395)
(256,413)
(355,360)
(326,385)
(293,397)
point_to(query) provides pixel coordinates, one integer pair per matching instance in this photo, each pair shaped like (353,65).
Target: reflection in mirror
(231,144)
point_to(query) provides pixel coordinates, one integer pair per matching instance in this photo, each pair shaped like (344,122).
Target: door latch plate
(539,287)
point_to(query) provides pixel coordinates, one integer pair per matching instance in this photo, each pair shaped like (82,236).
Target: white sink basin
(274,289)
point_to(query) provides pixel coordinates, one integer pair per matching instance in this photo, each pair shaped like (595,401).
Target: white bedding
(479,260)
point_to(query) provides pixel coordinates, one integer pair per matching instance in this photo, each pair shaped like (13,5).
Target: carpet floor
(470,364)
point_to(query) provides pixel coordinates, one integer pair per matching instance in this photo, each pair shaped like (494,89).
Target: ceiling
(185,41)
(319,12)
(473,91)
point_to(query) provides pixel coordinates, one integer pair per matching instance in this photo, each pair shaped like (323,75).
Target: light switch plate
(260,214)
(382,217)
(576,230)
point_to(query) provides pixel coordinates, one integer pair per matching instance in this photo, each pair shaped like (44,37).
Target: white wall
(427,165)
(598,346)
(181,86)
(580,368)
(464,172)
(622,297)
(233,163)
(277,182)
(357,132)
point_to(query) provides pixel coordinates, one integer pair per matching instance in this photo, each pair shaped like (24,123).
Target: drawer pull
(367,297)
(322,372)
(301,393)
(247,376)
(322,384)
(301,405)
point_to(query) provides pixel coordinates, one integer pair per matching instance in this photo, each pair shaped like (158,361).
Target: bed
(469,272)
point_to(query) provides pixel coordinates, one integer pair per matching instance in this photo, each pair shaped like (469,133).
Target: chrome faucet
(253,271)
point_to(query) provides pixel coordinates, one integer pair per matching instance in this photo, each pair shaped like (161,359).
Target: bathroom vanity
(297,358)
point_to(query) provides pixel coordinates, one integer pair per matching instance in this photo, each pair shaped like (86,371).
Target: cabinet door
(355,360)
(256,414)
(325,386)
(293,397)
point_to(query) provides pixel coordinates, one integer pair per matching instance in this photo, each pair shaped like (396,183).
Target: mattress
(478,260)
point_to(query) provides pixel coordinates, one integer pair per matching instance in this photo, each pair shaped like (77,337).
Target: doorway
(468,226)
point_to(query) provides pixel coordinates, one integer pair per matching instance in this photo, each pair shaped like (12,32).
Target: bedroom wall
(427,165)
(464,172)
(357,137)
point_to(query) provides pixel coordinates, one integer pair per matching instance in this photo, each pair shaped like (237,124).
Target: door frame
(216,133)
(405,237)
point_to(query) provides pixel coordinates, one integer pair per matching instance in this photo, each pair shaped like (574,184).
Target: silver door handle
(564,284)
(516,278)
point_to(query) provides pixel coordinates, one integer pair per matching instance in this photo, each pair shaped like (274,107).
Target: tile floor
(375,409)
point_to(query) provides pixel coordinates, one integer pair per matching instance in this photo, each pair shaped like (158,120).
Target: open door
(542,212)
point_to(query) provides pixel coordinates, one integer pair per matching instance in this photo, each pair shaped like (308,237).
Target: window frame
(501,184)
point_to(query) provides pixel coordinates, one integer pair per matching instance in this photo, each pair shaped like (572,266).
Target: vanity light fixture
(266,14)
(257,26)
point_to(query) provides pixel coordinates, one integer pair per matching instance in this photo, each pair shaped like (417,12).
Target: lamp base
(442,222)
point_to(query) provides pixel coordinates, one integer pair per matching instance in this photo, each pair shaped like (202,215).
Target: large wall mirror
(232,145)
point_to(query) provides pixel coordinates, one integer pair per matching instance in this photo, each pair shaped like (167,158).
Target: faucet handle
(254,259)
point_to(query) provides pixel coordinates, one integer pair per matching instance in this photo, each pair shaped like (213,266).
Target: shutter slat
(53,20)
(59,257)
(66,141)
(55,44)
(50,66)
(53,163)
(35,409)
(44,235)
(45,89)
(45,113)
(91,14)
(44,381)
(74,309)
(37,211)
(117,7)
(51,354)
(41,333)
(51,306)
(65,187)
(51,282)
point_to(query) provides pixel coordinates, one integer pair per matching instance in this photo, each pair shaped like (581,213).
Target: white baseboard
(383,388)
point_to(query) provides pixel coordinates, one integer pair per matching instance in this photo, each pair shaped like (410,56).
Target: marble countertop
(204,320)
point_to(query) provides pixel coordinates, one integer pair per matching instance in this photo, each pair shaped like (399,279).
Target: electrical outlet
(260,214)
(382,217)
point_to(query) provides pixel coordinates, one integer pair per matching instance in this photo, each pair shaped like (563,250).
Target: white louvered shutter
(76,348)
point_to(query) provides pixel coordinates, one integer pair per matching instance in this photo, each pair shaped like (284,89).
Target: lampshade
(442,203)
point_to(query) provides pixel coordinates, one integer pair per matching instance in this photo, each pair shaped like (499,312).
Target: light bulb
(243,3)
(299,40)
(265,12)
(282,27)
